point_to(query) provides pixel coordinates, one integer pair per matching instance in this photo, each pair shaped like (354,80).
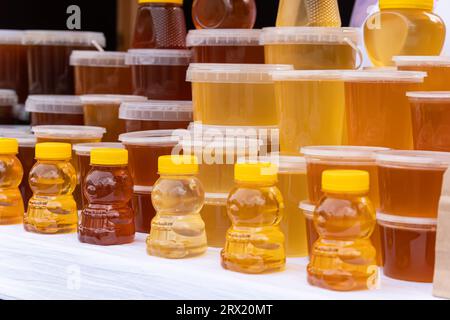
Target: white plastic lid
(233,73)
(64,38)
(308,209)
(342,152)
(409,61)
(143,190)
(216,199)
(385,76)
(86,148)
(309,75)
(159,57)
(430,96)
(286,164)
(407,223)
(21,133)
(409,158)
(155,110)
(310,35)
(223,37)
(61,131)
(8,98)
(96,58)
(109,99)
(14,37)
(153,137)
(54,104)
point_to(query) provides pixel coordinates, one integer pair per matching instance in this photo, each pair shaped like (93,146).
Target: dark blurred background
(102,15)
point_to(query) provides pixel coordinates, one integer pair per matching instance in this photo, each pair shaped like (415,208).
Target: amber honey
(8,101)
(307,209)
(215,14)
(217,223)
(143,208)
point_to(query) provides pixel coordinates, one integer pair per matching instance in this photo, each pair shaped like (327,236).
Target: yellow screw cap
(407,4)
(261,172)
(345,181)
(174,165)
(53,151)
(9,146)
(162,1)
(109,157)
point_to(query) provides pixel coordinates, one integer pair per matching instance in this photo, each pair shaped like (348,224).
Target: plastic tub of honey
(49,53)
(160,74)
(313,48)
(377,109)
(8,100)
(27,143)
(430,113)
(101,72)
(156,115)
(234,94)
(312,236)
(83,160)
(103,111)
(55,110)
(143,208)
(226,46)
(436,67)
(217,223)
(408,247)
(411,182)
(311,105)
(13,63)
(144,148)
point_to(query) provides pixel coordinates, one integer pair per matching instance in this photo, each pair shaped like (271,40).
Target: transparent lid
(54,104)
(406,223)
(21,133)
(143,190)
(410,61)
(410,158)
(159,57)
(234,73)
(8,97)
(11,36)
(156,111)
(61,131)
(216,199)
(64,38)
(86,148)
(342,152)
(306,75)
(286,164)
(308,209)
(202,130)
(385,76)
(223,37)
(110,99)
(310,35)
(221,145)
(429,96)
(94,58)
(153,137)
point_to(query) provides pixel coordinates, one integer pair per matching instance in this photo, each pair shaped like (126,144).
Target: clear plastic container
(226,46)
(101,72)
(160,24)
(49,53)
(313,48)
(311,105)
(408,247)
(160,74)
(217,223)
(407,27)
(411,182)
(13,63)
(83,157)
(311,233)
(430,113)
(143,208)
(103,111)
(145,147)
(55,110)
(226,14)
(156,115)
(377,109)
(308,13)
(8,100)
(234,94)
(437,69)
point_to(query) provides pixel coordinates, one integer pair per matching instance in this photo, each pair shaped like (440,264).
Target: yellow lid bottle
(343,258)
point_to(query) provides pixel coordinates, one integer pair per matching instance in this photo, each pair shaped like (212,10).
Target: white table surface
(59,267)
